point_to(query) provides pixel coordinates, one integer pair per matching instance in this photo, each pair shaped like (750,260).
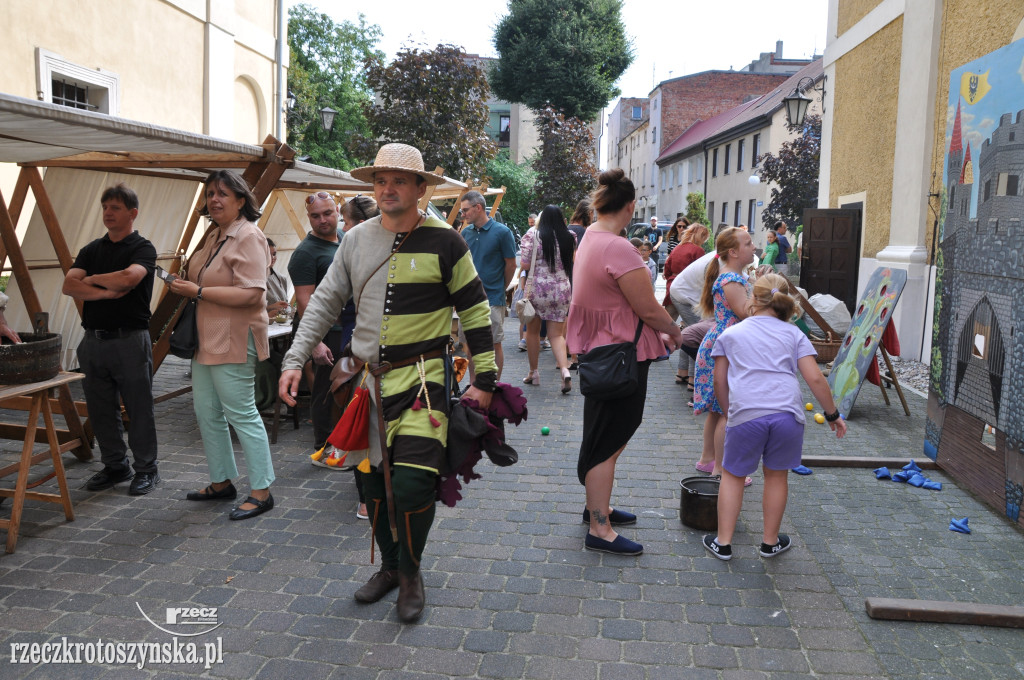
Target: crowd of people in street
(376,298)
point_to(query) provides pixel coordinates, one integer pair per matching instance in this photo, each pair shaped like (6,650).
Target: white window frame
(50,66)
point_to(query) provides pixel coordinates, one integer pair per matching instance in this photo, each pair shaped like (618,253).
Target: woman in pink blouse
(611,292)
(228,277)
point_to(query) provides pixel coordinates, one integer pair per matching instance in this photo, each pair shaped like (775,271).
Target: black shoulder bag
(185,336)
(609,371)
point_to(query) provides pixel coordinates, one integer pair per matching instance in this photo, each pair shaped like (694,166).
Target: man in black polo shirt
(307,267)
(113,277)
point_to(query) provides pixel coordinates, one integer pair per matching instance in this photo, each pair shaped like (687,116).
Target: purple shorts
(778,439)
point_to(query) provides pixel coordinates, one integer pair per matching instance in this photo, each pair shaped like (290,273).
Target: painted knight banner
(975,426)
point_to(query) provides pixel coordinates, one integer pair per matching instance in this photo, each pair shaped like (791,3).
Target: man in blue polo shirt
(494,254)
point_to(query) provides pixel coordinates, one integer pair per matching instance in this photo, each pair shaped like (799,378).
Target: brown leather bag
(344,377)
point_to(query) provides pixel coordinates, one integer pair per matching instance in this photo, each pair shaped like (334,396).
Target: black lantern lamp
(797,104)
(327,118)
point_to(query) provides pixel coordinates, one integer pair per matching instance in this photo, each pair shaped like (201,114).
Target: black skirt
(609,425)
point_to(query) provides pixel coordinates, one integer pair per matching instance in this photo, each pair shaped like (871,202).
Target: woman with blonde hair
(724,296)
(613,302)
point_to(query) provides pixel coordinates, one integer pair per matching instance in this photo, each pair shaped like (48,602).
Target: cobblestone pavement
(511,593)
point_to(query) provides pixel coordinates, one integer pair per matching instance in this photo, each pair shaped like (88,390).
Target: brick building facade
(685,100)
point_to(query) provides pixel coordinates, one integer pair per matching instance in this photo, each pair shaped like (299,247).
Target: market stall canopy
(83,152)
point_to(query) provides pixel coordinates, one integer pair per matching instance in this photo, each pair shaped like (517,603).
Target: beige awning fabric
(48,135)
(163,209)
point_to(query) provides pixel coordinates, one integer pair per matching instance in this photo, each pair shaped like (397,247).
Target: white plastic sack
(833,311)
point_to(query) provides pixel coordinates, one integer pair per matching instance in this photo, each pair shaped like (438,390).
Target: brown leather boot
(379,585)
(411,597)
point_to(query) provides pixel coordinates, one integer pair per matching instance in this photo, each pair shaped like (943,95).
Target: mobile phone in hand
(164,274)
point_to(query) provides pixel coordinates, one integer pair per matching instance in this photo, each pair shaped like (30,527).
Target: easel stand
(38,394)
(889,376)
(885,377)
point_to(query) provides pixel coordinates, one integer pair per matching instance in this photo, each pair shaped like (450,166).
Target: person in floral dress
(725,295)
(551,289)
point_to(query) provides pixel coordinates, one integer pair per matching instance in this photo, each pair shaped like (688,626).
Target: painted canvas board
(860,345)
(975,427)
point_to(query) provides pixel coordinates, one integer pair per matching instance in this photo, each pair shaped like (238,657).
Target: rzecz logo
(186,616)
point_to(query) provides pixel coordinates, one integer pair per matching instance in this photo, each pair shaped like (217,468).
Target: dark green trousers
(415,493)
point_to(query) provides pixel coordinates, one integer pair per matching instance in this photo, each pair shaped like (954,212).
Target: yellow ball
(809,406)
(818,418)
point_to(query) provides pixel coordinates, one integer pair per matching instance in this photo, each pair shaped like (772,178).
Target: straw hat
(398,158)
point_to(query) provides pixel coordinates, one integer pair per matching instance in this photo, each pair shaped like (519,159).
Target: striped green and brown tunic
(403,310)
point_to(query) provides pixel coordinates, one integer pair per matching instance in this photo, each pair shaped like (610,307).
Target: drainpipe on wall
(282,45)
(711,218)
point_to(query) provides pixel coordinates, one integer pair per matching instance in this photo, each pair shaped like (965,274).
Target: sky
(671,38)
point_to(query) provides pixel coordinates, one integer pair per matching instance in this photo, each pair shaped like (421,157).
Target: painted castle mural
(975,427)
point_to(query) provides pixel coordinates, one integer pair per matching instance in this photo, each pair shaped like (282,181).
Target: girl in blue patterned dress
(725,296)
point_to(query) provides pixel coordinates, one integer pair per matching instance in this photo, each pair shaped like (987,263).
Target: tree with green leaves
(518,180)
(435,100)
(567,54)
(327,70)
(794,175)
(565,166)
(697,213)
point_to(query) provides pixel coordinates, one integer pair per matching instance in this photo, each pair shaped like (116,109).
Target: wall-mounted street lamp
(754,180)
(797,104)
(289,102)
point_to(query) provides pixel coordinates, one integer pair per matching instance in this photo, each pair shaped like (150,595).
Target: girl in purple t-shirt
(756,357)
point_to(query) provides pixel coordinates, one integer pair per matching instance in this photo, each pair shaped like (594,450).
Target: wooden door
(830,256)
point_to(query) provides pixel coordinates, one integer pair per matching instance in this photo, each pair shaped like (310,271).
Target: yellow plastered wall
(866,100)
(168,60)
(971,29)
(852,11)
(156,48)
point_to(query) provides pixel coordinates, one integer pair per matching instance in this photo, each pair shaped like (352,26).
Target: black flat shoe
(143,483)
(228,493)
(261,507)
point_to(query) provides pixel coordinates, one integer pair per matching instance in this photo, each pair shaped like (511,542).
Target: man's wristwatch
(832,417)
(199,296)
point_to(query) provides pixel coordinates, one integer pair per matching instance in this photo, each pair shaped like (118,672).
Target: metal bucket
(698,505)
(34,359)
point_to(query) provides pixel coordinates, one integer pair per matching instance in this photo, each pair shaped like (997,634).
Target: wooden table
(38,395)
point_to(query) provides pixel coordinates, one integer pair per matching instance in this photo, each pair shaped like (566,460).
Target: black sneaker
(722,552)
(772,550)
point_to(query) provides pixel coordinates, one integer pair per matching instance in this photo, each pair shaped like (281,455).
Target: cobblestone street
(511,593)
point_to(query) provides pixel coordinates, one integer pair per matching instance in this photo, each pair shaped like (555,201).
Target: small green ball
(545,430)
